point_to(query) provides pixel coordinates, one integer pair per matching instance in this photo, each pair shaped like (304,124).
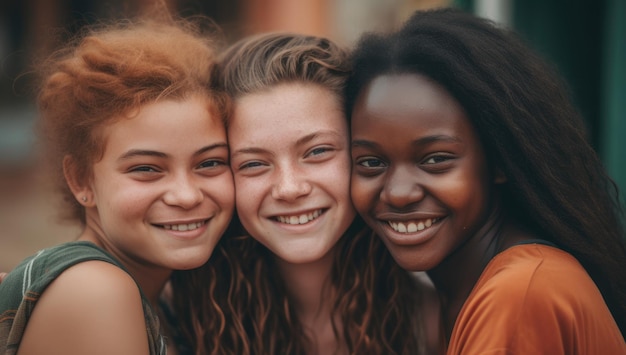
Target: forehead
(284,111)
(406,101)
(167,122)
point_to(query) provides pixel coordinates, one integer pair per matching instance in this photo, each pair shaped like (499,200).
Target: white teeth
(412,227)
(300,219)
(183,227)
(401,228)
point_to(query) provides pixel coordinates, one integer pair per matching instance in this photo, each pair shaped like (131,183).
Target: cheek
(224,192)
(469,193)
(248,196)
(363,194)
(339,177)
(122,197)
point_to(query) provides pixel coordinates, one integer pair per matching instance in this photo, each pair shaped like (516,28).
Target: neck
(497,234)
(472,256)
(308,284)
(312,295)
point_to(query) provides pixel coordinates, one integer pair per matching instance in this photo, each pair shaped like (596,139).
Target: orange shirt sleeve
(535,299)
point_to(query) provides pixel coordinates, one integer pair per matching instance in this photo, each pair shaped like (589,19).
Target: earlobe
(80,189)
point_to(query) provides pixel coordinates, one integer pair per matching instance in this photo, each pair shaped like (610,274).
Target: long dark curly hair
(556,184)
(239,305)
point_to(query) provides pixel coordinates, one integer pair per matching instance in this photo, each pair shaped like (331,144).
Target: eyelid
(444,156)
(215,162)
(247,165)
(320,151)
(361,160)
(143,169)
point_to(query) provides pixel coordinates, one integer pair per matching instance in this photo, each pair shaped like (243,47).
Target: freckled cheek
(249,194)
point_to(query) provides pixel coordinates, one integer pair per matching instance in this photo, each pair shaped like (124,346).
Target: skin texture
(418,165)
(290,160)
(418,162)
(166,165)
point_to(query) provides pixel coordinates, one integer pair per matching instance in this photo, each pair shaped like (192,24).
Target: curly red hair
(107,73)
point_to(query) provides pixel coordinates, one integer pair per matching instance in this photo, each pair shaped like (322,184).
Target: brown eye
(436,159)
(371,163)
(210,164)
(143,169)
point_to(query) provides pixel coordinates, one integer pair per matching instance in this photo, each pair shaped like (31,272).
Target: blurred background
(585,39)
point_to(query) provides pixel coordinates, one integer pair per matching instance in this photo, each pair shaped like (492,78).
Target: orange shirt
(535,299)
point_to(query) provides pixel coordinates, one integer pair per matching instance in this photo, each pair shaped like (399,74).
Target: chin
(189,262)
(410,261)
(302,256)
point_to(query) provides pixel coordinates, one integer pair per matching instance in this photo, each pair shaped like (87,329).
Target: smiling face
(291,164)
(162,194)
(420,177)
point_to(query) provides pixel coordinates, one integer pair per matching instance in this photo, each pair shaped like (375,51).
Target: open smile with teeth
(301,218)
(183,227)
(412,226)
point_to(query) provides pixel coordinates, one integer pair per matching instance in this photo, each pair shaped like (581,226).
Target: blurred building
(586,40)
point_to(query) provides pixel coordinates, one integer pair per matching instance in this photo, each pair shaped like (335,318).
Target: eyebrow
(300,141)
(312,136)
(250,150)
(418,142)
(154,153)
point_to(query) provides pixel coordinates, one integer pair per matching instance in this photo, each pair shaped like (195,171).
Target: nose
(402,188)
(290,184)
(184,192)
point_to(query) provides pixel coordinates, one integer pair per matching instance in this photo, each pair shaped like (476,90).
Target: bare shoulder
(93,307)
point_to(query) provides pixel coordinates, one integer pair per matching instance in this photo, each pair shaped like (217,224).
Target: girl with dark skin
(471,163)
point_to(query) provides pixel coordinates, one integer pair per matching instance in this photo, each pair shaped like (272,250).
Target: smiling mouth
(300,218)
(183,227)
(413,226)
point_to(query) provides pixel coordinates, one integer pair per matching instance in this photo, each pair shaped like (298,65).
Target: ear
(498,176)
(81,189)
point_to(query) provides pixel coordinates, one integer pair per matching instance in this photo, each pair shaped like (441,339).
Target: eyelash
(437,159)
(315,152)
(150,169)
(319,151)
(144,169)
(363,162)
(434,163)
(214,163)
(250,165)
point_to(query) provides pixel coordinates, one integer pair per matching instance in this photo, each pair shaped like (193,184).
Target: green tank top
(24,285)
